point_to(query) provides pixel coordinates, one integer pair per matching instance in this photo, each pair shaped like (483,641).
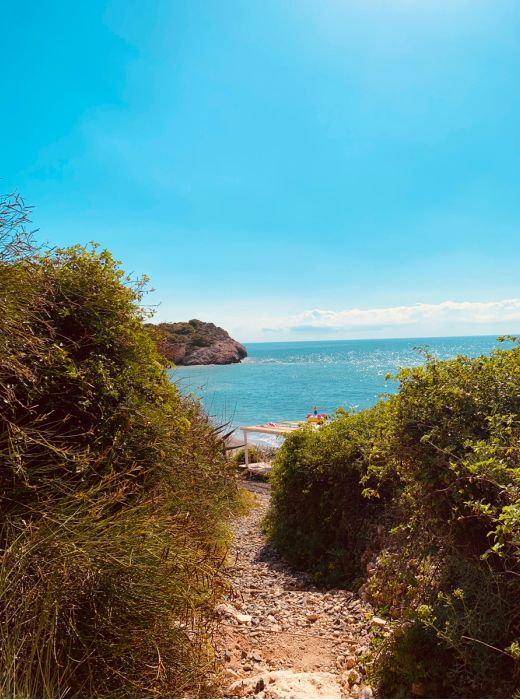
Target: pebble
(378,622)
(268,598)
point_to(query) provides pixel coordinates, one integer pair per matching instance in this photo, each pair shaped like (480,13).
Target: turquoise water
(285,380)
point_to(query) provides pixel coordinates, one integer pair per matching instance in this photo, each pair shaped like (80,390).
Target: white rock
(225,610)
(288,684)
(243,619)
(378,622)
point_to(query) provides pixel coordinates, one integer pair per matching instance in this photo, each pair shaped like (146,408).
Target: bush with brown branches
(114,491)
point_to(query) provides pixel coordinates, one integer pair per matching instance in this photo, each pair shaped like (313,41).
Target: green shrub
(412,664)
(425,488)
(114,490)
(456,434)
(325,511)
(455,438)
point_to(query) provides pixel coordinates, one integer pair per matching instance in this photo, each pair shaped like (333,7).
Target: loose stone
(378,622)
(294,640)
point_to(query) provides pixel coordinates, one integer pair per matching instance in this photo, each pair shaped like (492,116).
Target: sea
(284,381)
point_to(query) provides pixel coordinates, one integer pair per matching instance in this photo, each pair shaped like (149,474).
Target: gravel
(276,619)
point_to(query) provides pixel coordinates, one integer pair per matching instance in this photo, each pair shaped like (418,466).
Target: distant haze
(445,319)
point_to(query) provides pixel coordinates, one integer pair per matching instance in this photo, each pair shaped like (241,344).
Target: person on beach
(315,410)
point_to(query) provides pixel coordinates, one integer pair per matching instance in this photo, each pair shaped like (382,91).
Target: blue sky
(288,169)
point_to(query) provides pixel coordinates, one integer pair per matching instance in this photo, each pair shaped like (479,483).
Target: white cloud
(446,312)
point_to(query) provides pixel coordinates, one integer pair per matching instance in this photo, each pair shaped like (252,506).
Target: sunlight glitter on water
(285,380)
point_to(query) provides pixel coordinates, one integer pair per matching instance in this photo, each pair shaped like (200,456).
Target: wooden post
(246,449)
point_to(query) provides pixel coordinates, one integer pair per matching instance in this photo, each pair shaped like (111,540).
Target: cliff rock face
(197,343)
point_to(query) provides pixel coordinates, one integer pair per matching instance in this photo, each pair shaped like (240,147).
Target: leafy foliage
(421,495)
(114,490)
(325,511)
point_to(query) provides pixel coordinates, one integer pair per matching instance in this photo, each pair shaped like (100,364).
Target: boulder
(288,684)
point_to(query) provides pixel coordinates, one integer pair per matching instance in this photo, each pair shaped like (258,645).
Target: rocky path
(282,637)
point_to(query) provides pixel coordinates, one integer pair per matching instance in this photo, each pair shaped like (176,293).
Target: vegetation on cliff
(114,490)
(197,342)
(418,501)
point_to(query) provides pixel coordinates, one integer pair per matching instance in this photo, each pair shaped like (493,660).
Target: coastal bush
(325,509)
(455,554)
(421,496)
(114,490)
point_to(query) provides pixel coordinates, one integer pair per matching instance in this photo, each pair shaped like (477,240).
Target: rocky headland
(197,343)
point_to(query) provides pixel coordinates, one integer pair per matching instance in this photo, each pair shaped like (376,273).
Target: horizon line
(353,340)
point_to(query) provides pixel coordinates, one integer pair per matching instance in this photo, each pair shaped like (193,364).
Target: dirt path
(281,636)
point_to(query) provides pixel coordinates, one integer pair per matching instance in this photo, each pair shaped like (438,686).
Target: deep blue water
(285,380)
